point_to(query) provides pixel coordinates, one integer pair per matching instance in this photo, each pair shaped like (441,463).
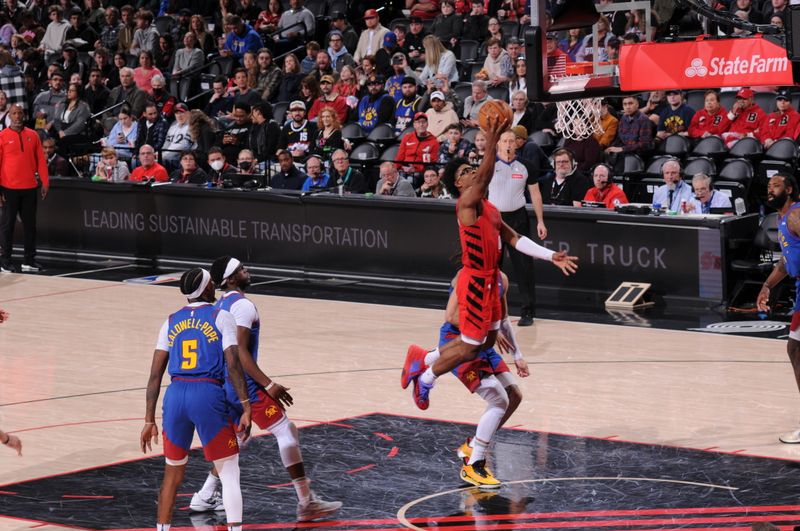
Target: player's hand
(281,394)
(567,264)
(148,437)
(541,230)
(3,316)
(243,429)
(762,302)
(522,368)
(503,344)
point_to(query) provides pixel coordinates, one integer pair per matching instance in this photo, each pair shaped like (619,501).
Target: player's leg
(173,477)
(475,471)
(177,433)
(509,383)
(793,351)
(228,469)
(209,497)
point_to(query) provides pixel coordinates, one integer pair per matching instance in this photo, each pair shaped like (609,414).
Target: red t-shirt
(156,171)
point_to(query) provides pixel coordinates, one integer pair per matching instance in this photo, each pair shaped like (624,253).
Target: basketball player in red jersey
(481,231)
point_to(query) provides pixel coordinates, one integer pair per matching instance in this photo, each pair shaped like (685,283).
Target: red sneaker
(414,365)
(421,393)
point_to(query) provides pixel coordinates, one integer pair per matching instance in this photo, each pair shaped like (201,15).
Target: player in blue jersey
(268,399)
(487,376)
(197,345)
(782,195)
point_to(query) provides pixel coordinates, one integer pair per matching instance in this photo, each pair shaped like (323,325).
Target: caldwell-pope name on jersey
(198,324)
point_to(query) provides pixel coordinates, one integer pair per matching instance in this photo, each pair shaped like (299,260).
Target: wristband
(246,400)
(267,388)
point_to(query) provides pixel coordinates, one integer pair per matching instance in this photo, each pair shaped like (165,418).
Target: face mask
(245,165)
(217,165)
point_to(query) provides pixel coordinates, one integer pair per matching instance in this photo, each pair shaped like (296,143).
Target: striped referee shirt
(507,188)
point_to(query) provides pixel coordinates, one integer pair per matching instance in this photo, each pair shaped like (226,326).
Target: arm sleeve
(163,340)
(244,313)
(227,325)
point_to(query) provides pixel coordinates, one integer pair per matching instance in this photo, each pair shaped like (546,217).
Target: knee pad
(288,442)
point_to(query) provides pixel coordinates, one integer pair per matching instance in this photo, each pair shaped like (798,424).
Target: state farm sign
(703,64)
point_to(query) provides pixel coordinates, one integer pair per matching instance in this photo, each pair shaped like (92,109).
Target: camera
(397,60)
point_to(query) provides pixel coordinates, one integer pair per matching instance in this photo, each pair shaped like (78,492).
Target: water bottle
(739,206)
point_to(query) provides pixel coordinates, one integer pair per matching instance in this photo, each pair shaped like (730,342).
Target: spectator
(774,8)
(705,197)
(329,98)
(352,181)
(370,40)
(454,145)
(189,172)
(128,92)
(288,177)
(205,40)
(447,25)
(364,72)
(414,41)
(432,186)
(70,65)
(316,180)
(297,24)
(556,59)
(572,43)
(329,134)
(309,90)
(145,38)
(589,47)
(178,138)
(96,94)
(120,61)
(496,31)
(347,85)
(522,115)
(248,11)
(267,21)
(242,38)
(186,63)
(478,152)
(608,126)
(377,107)
(438,61)
(71,118)
(182,26)
(518,81)
(298,134)
(498,66)
(56,164)
(349,36)
(122,136)
(149,169)
(5,120)
(473,103)
(310,60)
(337,52)
(218,164)
(45,103)
(152,128)
(23,176)
(746,117)
(80,31)
(712,119)
(55,34)
(383,57)
(268,75)
(164,54)
(440,115)
(237,135)
(264,133)
(529,152)
(290,84)
(323,66)
(407,105)
(604,191)
(476,25)
(675,119)
(568,186)
(425,9)
(783,123)
(241,91)
(635,133)
(220,104)
(674,191)
(656,103)
(161,97)
(417,149)
(127,29)
(390,182)
(202,130)
(247,162)
(145,72)
(110,168)
(400,72)
(12,83)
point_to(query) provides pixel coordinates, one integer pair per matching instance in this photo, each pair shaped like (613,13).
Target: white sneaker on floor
(316,509)
(793,437)
(199,504)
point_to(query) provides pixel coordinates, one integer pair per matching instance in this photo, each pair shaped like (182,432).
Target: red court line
(9,492)
(383,436)
(66,292)
(279,485)
(21,519)
(86,497)
(393,451)
(610,437)
(37,525)
(360,469)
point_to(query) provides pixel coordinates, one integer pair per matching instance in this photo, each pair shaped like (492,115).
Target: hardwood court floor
(75,356)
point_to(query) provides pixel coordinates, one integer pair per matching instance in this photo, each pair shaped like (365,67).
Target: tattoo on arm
(235,371)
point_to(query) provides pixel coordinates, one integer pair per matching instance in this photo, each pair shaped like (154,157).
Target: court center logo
(742,327)
(696,68)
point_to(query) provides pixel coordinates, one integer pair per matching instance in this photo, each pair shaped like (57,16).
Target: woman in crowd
(329,134)
(110,168)
(572,43)
(71,115)
(189,172)
(189,57)
(122,136)
(432,186)
(518,81)
(268,19)
(202,131)
(496,31)
(290,84)
(205,40)
(438,60)
(348,82)
(363,72)
(522,115)
(5,120)
(268,76)
(145,72)
(164,53)
(478,151)
(120,62)
(309,90)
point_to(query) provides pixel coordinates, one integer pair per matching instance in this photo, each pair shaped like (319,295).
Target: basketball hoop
(580,118)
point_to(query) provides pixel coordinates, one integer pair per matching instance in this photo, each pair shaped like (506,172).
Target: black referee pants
(22,202)
(522,263)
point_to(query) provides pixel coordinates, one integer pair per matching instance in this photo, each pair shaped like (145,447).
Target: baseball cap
(181,107)
(371,13)
(327,78)
(185,12)
(783,94)
(338,15)
(745,93)
(437,95)
(420,116)
(297,104)
(520,131)
(376,78)
(408,80)
(673,91)
(390,39)
(552,36)
(415,20)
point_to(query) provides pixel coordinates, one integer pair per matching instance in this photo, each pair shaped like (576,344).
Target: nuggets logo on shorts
(470,376)
(271,411)
(232,443)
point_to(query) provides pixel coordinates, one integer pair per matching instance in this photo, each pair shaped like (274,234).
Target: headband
(203,283)
(232,266)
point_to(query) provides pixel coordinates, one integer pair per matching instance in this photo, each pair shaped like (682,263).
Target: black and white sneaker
(7,267)
(32,267)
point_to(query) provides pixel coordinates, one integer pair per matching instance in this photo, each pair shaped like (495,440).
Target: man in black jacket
(264,132)
(289,177)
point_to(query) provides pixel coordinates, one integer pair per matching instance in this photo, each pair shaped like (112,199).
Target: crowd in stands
(193,91)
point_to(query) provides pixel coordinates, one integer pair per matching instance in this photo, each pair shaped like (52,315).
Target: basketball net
(580,118)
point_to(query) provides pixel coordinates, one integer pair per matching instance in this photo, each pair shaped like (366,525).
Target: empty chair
(164,24)
(710,146)
(543,140)
(697,165)
(739,170)
(463,90)
(382,134)
(696,99)
(732,189)
(390,153)
(317,7)
(766,239)
(675,145)
(279,111)
(766,100)
(768,168)
(783,149)
(353,132)
(632,165)
(726,99)
(469,134)
(510,28)
(654,168)
(366,152)
(499,92)
(746,147)
(469,50)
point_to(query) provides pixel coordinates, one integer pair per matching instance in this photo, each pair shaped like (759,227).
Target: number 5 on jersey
(189,349)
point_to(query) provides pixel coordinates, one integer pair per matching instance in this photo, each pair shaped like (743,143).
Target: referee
(507,193)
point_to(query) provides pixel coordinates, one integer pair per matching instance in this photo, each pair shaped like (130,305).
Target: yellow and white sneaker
(477,474)
(465,450)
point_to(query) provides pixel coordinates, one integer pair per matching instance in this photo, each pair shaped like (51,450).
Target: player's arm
(236,376)
(149,433)
(507,331)
(451,310)
(275,390)
(778,273)
(536,202)
(567,264)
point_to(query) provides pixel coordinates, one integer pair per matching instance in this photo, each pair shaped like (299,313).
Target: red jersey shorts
(266,412)
(479,307)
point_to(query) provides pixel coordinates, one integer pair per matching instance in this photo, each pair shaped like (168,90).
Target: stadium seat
(739,170)
(463,90)
(697,165)
(727,98)
(747,147)
(654,167)
(317,7)
(469,50)
(225,65)
(696,99)
(543,140)
(164,24)
(710,146)
(764,247)
(674,145)
(354,133)
(390,153)
(766,100)
(783,149)
(279,111)
(397,21)
(632,166)
(732,189)
(768,168)
(510,28)
(499,92)
(365,153)
(474,69)
(642,191)
(469,134)
(383,134)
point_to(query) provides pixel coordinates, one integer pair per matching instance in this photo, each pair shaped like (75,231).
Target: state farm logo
(696,68)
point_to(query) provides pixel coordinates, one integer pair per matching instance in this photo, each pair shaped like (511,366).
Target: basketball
(494,108)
